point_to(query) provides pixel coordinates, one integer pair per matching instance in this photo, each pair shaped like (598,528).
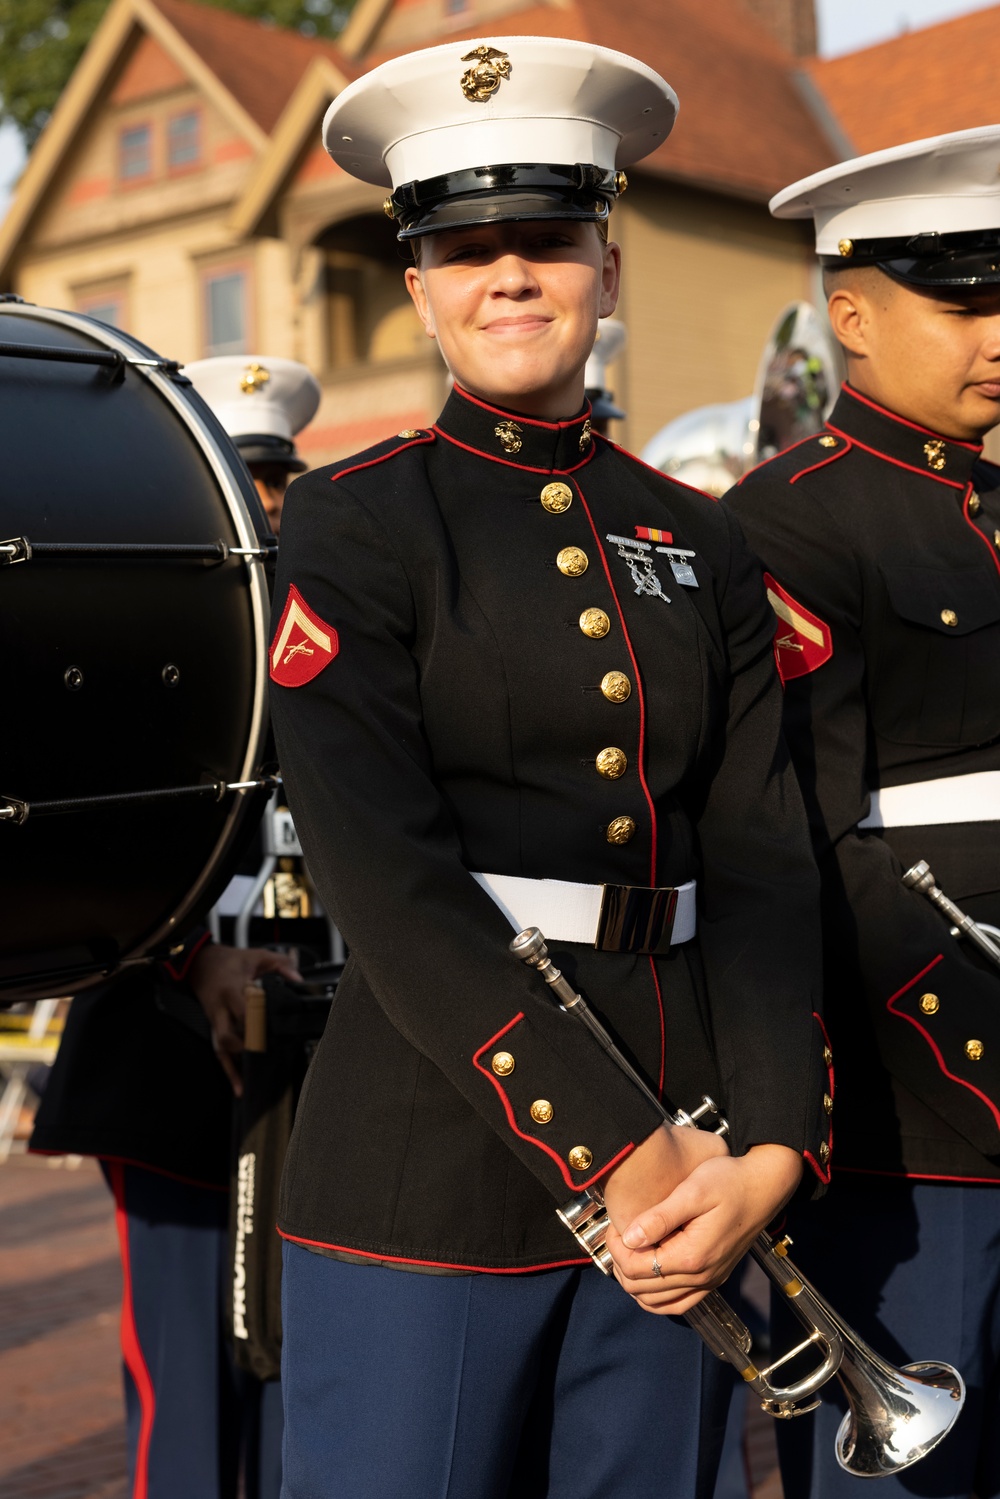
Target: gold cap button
(580,1158)
(556,498)
(572,562)
(827,1104)
(595,623)
(541,1111)
(824,1152)
(620,829)
(503,1063)
(930,1004)
(388,209)
(408,432)
(612,763)
(949,617)
(616,686)
(846,247)
(975,503)
(827,1055)
(828,442)
(974,1050)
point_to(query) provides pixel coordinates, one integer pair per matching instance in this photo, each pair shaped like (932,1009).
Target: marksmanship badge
(640,565)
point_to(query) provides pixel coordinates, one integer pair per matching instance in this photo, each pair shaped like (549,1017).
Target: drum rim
(207,440)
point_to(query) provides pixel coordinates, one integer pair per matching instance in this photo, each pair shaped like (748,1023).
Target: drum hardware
(16,812)
(109,359)
(895,1416)
(920,878)
(20,549)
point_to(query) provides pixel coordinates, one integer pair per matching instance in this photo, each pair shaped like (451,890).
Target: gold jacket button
(620,829)
(408,432)
(580,1158)
(974,1050)
(930,1004)
(612,763)
(827,1104)
(541,1111)
(616,686)
(824,1152)
(572,562)
(949,617)
(556,498)
(996,539)
(502,1063)
(827,1056)
(595,623)
(975,503)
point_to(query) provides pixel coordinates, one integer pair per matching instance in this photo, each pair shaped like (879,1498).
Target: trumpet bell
(896,1416)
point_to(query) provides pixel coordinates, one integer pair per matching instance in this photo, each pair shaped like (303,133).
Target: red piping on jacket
(124,1160)
(525,468)
(897,462)
(132,1353)
(508,1110)
(399,1259)
(782,454)
(972,526)
(973,447)
(528,421)
(188,958)
(415,442)
(933,1044)
(848,443)
(825,1176)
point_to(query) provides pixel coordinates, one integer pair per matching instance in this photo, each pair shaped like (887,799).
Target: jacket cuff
(177,964)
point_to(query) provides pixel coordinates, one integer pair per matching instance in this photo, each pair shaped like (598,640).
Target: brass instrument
(919,878)
(895,1416)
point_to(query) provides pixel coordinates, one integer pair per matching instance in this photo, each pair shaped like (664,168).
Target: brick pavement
(61,1430)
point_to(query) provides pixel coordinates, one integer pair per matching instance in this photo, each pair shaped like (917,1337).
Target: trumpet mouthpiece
(529,946)
(919,877)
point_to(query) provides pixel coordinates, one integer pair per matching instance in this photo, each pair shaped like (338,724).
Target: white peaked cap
(948,184)
(257,395)
(553,100)
(609,343)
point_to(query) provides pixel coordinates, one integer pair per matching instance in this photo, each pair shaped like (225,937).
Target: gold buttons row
(975,503)
(572,562)
(556,498)
(594,623)
(612,763)
(620,830)
(580,1158)
(616,686)
(974,1050)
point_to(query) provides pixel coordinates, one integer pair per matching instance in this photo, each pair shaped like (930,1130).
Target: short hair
(865,278)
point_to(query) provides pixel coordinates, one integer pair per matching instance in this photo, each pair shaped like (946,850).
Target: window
(225,313)
(106,312)
(107,303)
(183,142)
(369,316)
(135,152)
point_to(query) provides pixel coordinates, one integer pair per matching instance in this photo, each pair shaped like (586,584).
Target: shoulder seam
(422,441)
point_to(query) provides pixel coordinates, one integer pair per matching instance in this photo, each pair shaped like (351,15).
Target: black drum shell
(118,675)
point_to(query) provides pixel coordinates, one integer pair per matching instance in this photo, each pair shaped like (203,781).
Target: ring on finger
(656,1265)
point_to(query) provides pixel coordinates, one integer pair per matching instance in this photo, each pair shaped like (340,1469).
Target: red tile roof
(921,83)
(260,65)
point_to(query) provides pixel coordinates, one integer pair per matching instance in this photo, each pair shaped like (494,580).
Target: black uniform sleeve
(385,855)
(760,914)
(901,944)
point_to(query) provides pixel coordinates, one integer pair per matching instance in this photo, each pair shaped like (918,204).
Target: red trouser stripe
(135,1361)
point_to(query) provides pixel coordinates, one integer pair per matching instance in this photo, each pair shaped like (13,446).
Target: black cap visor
(491,195)
(277,452)
(930,260)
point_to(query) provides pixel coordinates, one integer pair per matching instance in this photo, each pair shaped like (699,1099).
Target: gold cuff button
(828,442)
(595,623)
(824,1152)
(930,1004)
(827,1104)
(612,763)
(827,1056)
(949,617)
(580,1158)
(572,562)
(975,504)
(616,686)
(556,498)
(620,830)
(541,1111)
(996,539)
(502,1063)
(974,1050)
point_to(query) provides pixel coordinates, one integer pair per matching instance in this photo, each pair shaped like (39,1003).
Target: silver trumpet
(919,877)
(894,1417)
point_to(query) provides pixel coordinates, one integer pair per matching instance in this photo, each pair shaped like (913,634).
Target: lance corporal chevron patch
(303,643)
(802,642)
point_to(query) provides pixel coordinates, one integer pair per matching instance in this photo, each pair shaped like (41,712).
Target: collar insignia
(640,565)
(478,83)
(585,432)
(509,434)
(936,454)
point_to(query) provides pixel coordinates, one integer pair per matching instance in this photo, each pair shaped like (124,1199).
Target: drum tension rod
(20,549)
(109,359)
(16,812)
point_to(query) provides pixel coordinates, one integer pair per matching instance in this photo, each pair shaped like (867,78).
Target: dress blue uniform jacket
(453,721)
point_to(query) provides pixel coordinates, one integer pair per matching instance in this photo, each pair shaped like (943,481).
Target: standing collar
(518,441)
(871,426)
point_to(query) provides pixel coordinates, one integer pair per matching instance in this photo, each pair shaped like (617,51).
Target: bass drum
(133,677)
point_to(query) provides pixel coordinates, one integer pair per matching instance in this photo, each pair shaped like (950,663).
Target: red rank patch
(802,642)
(303,645)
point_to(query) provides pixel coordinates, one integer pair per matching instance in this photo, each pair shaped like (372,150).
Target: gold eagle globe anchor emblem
(479,83)
(255,378)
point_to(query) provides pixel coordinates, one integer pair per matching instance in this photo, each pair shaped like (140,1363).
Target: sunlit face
(930,356)
(514,308)
(271,482)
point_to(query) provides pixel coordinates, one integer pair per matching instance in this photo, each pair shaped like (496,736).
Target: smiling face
(932,357)
(514,308)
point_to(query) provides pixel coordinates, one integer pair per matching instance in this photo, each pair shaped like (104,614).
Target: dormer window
(183,140)
(135,153)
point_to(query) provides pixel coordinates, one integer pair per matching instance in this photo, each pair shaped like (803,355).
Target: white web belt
(969,798)
(615,918)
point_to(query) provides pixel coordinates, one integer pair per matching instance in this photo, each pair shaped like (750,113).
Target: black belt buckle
(636,919)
